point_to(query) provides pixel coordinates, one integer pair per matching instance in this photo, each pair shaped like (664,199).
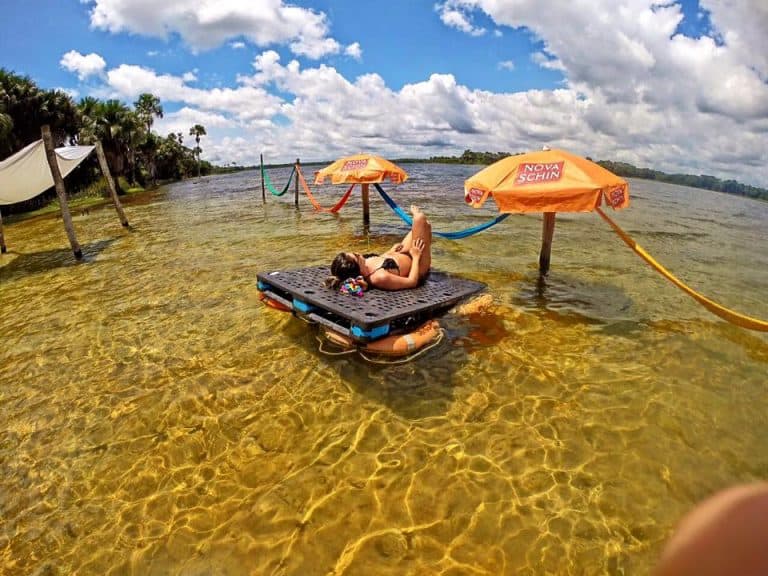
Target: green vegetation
(700,181)
(197,131)
(625,170)
(470,157)
(137,156)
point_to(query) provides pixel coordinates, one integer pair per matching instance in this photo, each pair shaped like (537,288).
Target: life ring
(394,345)
(273,303)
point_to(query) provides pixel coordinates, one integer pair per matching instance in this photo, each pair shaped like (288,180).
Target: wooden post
(58,181)
(296,186)
(366,208)
(110,183)
(3,248)
(547,231)
(263,192)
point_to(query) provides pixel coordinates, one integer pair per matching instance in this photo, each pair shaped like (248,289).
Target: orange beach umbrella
(547,181)
(361,169)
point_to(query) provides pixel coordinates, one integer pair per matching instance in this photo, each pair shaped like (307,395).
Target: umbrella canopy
(546,181)
(361,169)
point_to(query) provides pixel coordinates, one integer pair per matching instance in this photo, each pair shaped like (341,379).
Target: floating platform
(376,314)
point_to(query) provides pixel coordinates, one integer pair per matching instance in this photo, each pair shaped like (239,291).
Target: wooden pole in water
(296,186)
(3,248)
(110,183)
(263,192)
(547,231)
(366,207)
(58,181)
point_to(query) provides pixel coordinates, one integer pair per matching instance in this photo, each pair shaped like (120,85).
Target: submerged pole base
(547,231)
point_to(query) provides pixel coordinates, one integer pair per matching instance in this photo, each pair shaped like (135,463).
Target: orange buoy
(273,303)
(394,345)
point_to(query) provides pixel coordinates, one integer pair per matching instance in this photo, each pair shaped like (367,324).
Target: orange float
(274,303)
(394,345)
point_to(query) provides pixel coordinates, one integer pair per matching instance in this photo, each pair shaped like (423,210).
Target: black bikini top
(389,264)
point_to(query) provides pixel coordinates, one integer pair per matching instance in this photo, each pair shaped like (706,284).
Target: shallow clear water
(156,418)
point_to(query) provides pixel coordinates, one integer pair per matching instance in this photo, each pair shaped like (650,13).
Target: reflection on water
(155,418)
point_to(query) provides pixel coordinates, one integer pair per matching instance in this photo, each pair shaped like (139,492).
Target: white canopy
(27,174)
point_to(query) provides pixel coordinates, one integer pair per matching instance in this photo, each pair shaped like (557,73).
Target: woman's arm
(387,281)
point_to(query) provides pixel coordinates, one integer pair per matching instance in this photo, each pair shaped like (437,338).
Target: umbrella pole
(296,185)
(366,208)
(3,248)
(547,231)
(110,183)
(50,154)
(263,191)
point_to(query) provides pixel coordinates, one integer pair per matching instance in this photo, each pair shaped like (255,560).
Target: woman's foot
(415,209)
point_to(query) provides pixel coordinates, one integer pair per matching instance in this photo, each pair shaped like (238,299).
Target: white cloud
(453,15)
(237,45)
(71,92)
(743,27)
(127,82)
(183,119)
(83,65)
(546,61)
(314,46)
(506,65)
(354,51)
(207,24)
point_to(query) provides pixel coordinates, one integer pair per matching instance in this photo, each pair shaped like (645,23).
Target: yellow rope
(714,307)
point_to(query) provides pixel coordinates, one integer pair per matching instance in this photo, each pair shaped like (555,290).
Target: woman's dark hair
(343,267)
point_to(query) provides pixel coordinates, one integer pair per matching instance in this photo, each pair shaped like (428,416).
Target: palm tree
(59,111)
(172,157)
(147,107)
(6,126)
(24,108)
(89,114)
(197,130)
(115,125)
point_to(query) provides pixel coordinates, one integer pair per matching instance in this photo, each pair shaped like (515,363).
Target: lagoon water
(156,418)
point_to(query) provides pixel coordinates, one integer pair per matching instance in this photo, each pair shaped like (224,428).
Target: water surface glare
(156,418)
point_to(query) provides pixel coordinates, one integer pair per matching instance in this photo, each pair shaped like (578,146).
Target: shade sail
(361,169)
(27,174)
(546,181)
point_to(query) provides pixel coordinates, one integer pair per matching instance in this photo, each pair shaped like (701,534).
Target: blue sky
(678,86)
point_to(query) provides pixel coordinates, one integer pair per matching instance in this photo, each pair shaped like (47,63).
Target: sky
(675,86)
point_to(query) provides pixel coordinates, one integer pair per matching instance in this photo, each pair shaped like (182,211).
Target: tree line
(628,171)
(136,155)
(695,181)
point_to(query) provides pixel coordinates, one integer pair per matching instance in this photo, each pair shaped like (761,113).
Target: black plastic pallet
(377,313)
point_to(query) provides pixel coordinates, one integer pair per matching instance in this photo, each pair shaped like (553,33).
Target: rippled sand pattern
(155,418)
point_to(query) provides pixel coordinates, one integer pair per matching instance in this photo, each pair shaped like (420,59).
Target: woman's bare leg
(405,244)
(421,228)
